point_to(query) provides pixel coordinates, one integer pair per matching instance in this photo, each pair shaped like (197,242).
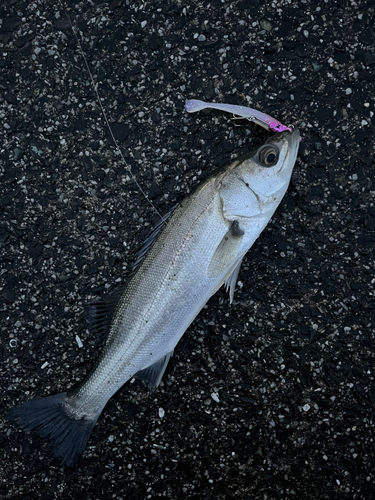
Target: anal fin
(153,374)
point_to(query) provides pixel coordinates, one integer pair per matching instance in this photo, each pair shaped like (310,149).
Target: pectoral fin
(153,374)
(227,251)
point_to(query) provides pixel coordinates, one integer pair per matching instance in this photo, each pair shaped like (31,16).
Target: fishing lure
(253,115)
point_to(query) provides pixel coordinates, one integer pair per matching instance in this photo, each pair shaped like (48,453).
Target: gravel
(270,398)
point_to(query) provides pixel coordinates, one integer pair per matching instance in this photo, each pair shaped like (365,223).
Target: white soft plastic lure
(250,114)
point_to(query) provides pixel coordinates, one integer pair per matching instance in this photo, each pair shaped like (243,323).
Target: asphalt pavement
(271,397)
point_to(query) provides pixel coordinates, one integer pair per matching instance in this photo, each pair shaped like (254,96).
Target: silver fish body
(199,250)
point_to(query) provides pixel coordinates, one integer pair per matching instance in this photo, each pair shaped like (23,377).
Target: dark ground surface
(292,360)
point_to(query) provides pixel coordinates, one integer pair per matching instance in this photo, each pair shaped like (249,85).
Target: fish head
(255,183)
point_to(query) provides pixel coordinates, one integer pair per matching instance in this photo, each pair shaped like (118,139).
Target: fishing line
(109,126)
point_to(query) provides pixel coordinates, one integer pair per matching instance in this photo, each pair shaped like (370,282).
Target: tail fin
(48,417)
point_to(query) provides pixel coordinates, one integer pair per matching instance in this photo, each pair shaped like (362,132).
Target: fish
(197,251)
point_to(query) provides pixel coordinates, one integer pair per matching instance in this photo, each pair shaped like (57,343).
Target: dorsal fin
(99,313)
(147,244)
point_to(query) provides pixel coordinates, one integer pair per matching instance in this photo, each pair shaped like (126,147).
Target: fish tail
(50,418)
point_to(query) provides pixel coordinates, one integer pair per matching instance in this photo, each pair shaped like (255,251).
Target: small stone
(266,25)
(155,41)
(215,397)
(17,154)
(79,342)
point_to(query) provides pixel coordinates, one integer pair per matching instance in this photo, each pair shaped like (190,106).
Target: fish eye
(268,156)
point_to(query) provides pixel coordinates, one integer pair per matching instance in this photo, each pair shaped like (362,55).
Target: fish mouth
(293,143)
(293,138)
